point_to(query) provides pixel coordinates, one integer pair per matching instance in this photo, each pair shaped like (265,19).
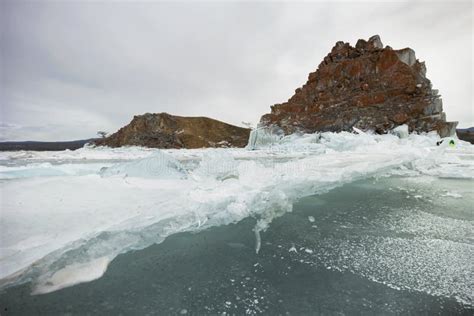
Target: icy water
(374,247)
(305,224)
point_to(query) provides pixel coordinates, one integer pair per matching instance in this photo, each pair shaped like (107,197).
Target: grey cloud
(79,67)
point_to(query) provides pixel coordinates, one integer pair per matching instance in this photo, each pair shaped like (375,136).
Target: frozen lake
(329,223)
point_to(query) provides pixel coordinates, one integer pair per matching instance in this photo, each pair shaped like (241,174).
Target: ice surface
(62,211)
(401,131)
(157,165)
(264,136)
(72,274)
(85,153)
(47,169)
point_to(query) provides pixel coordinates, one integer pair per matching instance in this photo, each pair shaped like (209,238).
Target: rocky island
(368,86)
(162,130)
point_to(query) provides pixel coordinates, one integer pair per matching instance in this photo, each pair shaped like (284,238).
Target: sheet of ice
(73,274)
(72,213)
(157,165)
(48,169)
(401,131)
(85,153)
(264,136)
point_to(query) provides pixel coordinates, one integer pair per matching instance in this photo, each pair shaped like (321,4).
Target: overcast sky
(69,69)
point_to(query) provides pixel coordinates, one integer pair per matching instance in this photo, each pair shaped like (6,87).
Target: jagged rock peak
(367,86)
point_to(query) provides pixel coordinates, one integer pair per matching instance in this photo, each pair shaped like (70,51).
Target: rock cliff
(163,130)
(368,86)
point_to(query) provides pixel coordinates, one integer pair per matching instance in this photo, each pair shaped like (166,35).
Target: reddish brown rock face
(163,130)
(368,87)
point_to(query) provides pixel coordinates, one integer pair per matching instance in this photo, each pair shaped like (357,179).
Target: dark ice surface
(367,248)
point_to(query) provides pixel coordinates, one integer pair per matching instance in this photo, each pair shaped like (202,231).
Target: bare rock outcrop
(162,130)
(368,86)
(466,134)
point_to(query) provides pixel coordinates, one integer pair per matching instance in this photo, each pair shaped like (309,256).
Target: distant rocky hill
(162,130)
(368,86)
(466,134)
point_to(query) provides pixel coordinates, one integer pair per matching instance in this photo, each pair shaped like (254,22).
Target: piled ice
(401,131)
(55,226)
(263,136)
